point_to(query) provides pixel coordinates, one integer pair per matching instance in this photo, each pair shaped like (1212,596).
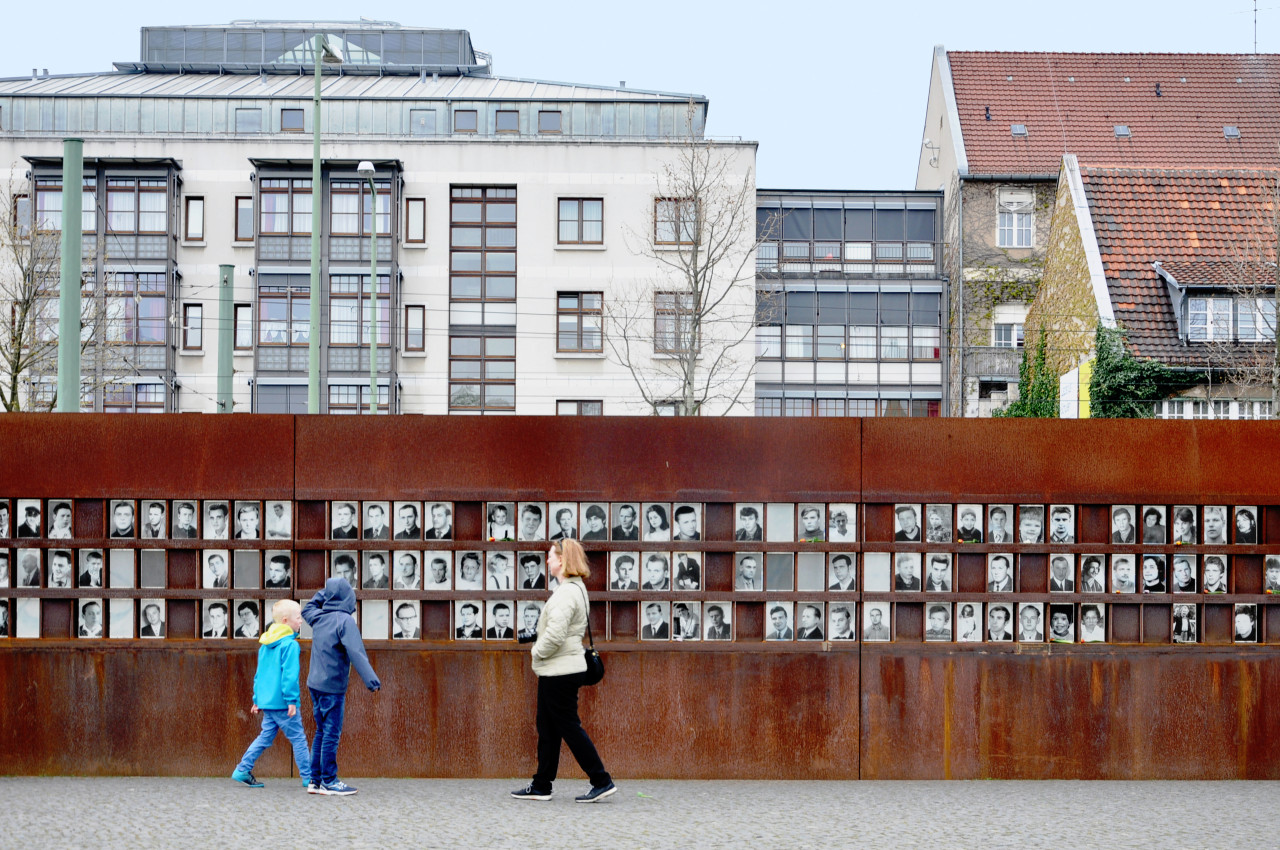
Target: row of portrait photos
(154,519)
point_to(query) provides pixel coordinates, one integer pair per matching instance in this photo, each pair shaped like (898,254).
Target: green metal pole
(226,335)
(313,322)
(69,282)
(373,299)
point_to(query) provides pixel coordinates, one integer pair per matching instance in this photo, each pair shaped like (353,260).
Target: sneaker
(315,788)
(595,795)
(530,793)
(337,788)
(245,778)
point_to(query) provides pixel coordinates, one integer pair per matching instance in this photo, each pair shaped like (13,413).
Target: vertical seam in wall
(862,491)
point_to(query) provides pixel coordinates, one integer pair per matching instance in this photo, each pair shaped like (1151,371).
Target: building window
(578,321)
(482,373)
(799,341)
(49,205)
(135,308)
(895,407)
(286,207)
(354,399)
(1256,319)
(768,407)
(831,342)
(926,343)
(797,407)
(507,121)
(926,407)
(580,408)
(21,223)
(192,326)
(482,258)
(581,221)
(193,227)
(549,121)
(137,205)
(291,121)
(350,204)
(893,343)
(244,327)
(422,122)
(244,218)
(284,309)
(415,328)
(349,309)
(248,120)
(673,322)
(1209,319)
(862,342)
(1007,335)
(862,407)
(133,398)
(465,121)
(415,220)
(831,407)
(1014,225)
(674,221)
(769,341)
(1255,410)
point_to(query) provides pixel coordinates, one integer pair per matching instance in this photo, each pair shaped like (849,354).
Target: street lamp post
(324,55)
(366,168)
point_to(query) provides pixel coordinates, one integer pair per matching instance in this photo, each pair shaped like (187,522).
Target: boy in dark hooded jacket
(335,647)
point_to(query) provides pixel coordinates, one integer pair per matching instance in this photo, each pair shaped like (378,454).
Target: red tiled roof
(1072,102)
(1196,222)
(1225,274)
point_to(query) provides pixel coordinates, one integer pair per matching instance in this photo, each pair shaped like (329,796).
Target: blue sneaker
(337,788)
(245,778)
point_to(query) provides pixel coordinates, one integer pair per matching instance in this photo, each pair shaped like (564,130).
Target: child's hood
(278,631)
(340,596)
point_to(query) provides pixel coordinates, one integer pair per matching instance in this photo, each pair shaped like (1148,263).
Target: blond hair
(283,609)
(572,557)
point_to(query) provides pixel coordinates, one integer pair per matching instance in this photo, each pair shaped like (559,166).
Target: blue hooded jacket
(335,640)
(275,685)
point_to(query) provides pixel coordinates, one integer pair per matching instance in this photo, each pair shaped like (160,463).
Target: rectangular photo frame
(999,523)
(1184,525)
(937,572)
(376,522)
(718,621)
(1123,574)
(937,622)
(407,526)
(906,572)
(531,568)
(969,622)
(1062,573)
(1030,523)
(533,522)
(437,571)
(1154,527)
(969,523)
(407,570)
(1062,524)
(89,619)
(500,615)
(842,621)
(1124,527)
(1245,525)
(623,569)
(655,615)
(470,573)
(342,564)
(248,520)
(217,518)
(499,521)
(1185,626)
(60,519)
(686,621)
(686,521)
(1215,574)
(155,519)
(1093,573)
(595,521)
(248,619)
(279,520)
(810,617)
(468,619)
(406,619)
(215,619)
(657,571)
(748,572)
(93,570)
(937,523)
(625,521)
(152,616)
(1093,622)
(440,514)
(1031,622)
(122,521)
(811,525)
(906,523)
(842,572)
(1062,622)
(688,570)
(779,621)
(877,625)
(186,520)
(30,519)
(842,523)
(1215,525)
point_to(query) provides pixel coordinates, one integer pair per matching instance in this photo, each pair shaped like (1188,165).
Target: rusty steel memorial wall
(832,598)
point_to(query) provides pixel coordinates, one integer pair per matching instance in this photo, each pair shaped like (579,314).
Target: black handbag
(595,664)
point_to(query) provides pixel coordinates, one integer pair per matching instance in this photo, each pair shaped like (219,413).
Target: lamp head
(365,168)
(328,56)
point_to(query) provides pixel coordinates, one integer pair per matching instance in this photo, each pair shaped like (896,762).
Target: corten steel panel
(1037,714)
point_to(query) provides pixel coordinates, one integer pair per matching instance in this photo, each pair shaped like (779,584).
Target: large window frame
(415,221)
(136,308)
(284,312)
(243,329)
(137,205)
(353,399)
(284,206)
(580,322)
(193,218)
(573,407)
(133,398)
(482,373)
(415,327)
(350,208)
(1015,219)
(244,224)
(48,211)
(673,315)
(192,327)
(580,221)
(349,310)
(675,221)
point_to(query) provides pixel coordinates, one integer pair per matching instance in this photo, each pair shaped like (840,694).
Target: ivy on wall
(1037,387)
(1124,386)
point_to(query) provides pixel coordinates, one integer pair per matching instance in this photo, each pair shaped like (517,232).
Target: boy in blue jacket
(335,647)
(275,693)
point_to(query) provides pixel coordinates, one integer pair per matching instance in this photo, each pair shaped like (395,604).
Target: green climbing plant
(1037,386)
(1123,386)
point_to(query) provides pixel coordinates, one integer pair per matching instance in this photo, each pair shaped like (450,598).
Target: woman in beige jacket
(559,665)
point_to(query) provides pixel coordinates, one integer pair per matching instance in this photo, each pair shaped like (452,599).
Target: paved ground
(191,814)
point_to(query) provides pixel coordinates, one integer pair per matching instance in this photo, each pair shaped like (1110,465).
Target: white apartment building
(511,214)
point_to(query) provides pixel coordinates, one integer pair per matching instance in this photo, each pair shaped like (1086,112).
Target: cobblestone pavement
(191,814)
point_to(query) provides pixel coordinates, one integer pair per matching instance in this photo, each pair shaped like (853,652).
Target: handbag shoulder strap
(590,640)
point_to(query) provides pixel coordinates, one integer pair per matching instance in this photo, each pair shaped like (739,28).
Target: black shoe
(595,795)
(530,793)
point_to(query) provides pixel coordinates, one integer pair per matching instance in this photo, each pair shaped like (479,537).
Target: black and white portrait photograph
(1246,623)
(969,524)
(1246,524)
(1184,525)
(155,520)
(61,568)
(499,521)
(623,570)
(246,569)
(500,571)
(441,516)
(186,520)
(809,621)
(377,521)
(1062,572)
(279,520)
(1030,622)
(531,571)
(533,521)
(467,621)
(1093,623)
(29,572)
(748,522)
(59,519)
(1271,574)
(688,571)
(123,520)
(999,573)
(1062,625)
(625,521)
(406,620)
(1062,523)
(656,527)
(657,571)
(779,625)
(840,623)
(470,571)
(407,574)
(779,571)
(500,617)
(842,524)
(811,523)
(215,620)
(749,572)
(1030,523)
(1124,529)
(969,623)
(530,611)
(1123,574)
(30,518)
(595,521)
(152,618)
(876,625)
(92,568)
(906,523)
(937,621)
(686,521)
(1093,573)
(842,571)
(937,523)
(906,571)
(718,622)
(5,572)
(686,621)
(437,572)
(408,521)
(343,565)
(1182,575)
(1186,624)
(1000,523)
(375,619)
(6,523)
(937,577)
(375,574)
(217,521)
(248,521)
(344,521)
(656,624)
(279,571)
(1153,576)
(26,618)
(1215,574)
(563,520)
(1215,525)
(248,620)
(152,570)
(217,569)
(90,618)
(1153,524)
(877,572)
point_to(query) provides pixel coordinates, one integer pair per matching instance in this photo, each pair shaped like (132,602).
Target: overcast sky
(833,92)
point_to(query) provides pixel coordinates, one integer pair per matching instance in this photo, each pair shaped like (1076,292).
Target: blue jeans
(278,720)
(328,710)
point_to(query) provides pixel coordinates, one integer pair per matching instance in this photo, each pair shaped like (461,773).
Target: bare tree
(686,336)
